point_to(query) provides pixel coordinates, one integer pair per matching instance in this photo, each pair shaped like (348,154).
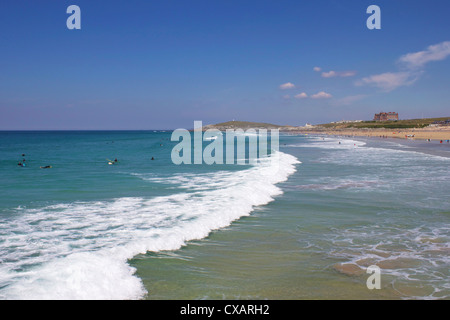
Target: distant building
(385,116)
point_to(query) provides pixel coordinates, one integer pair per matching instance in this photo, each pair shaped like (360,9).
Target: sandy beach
(436,133)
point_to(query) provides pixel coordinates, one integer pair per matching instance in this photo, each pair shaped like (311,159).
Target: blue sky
(144,64)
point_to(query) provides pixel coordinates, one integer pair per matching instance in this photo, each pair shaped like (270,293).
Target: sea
(306,226)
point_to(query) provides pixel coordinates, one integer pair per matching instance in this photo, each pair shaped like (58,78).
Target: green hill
(242,125)
(394,124)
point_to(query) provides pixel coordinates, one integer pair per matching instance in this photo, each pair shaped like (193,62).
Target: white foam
(340,184)
(409,237)
(349,144)
(329,143)
(80,250)
(408,255)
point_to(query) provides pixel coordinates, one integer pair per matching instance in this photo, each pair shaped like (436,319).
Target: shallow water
(149,229)
(347,204)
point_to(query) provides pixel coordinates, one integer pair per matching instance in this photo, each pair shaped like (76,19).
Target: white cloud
(287,85)
(332,74)
(328,74)
(347,73)
(413,65)
(317,69)
(321,95)
(436,52)
(390,80)
(302,95)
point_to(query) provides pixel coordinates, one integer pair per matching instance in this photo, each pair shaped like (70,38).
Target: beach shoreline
(435,133)
(433,147)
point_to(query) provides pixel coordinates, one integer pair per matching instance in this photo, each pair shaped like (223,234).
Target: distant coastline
(416,129)
(245,125)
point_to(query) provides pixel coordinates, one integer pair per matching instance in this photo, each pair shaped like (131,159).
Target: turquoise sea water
(148,229)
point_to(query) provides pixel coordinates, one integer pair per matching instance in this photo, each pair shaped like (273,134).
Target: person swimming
(46,167)
(111,162)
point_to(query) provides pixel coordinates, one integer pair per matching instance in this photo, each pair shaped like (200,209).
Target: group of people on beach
(442,141)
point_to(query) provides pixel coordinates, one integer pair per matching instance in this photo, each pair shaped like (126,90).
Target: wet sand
(434,134)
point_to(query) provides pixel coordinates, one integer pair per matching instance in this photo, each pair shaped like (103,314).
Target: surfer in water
(111,162)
